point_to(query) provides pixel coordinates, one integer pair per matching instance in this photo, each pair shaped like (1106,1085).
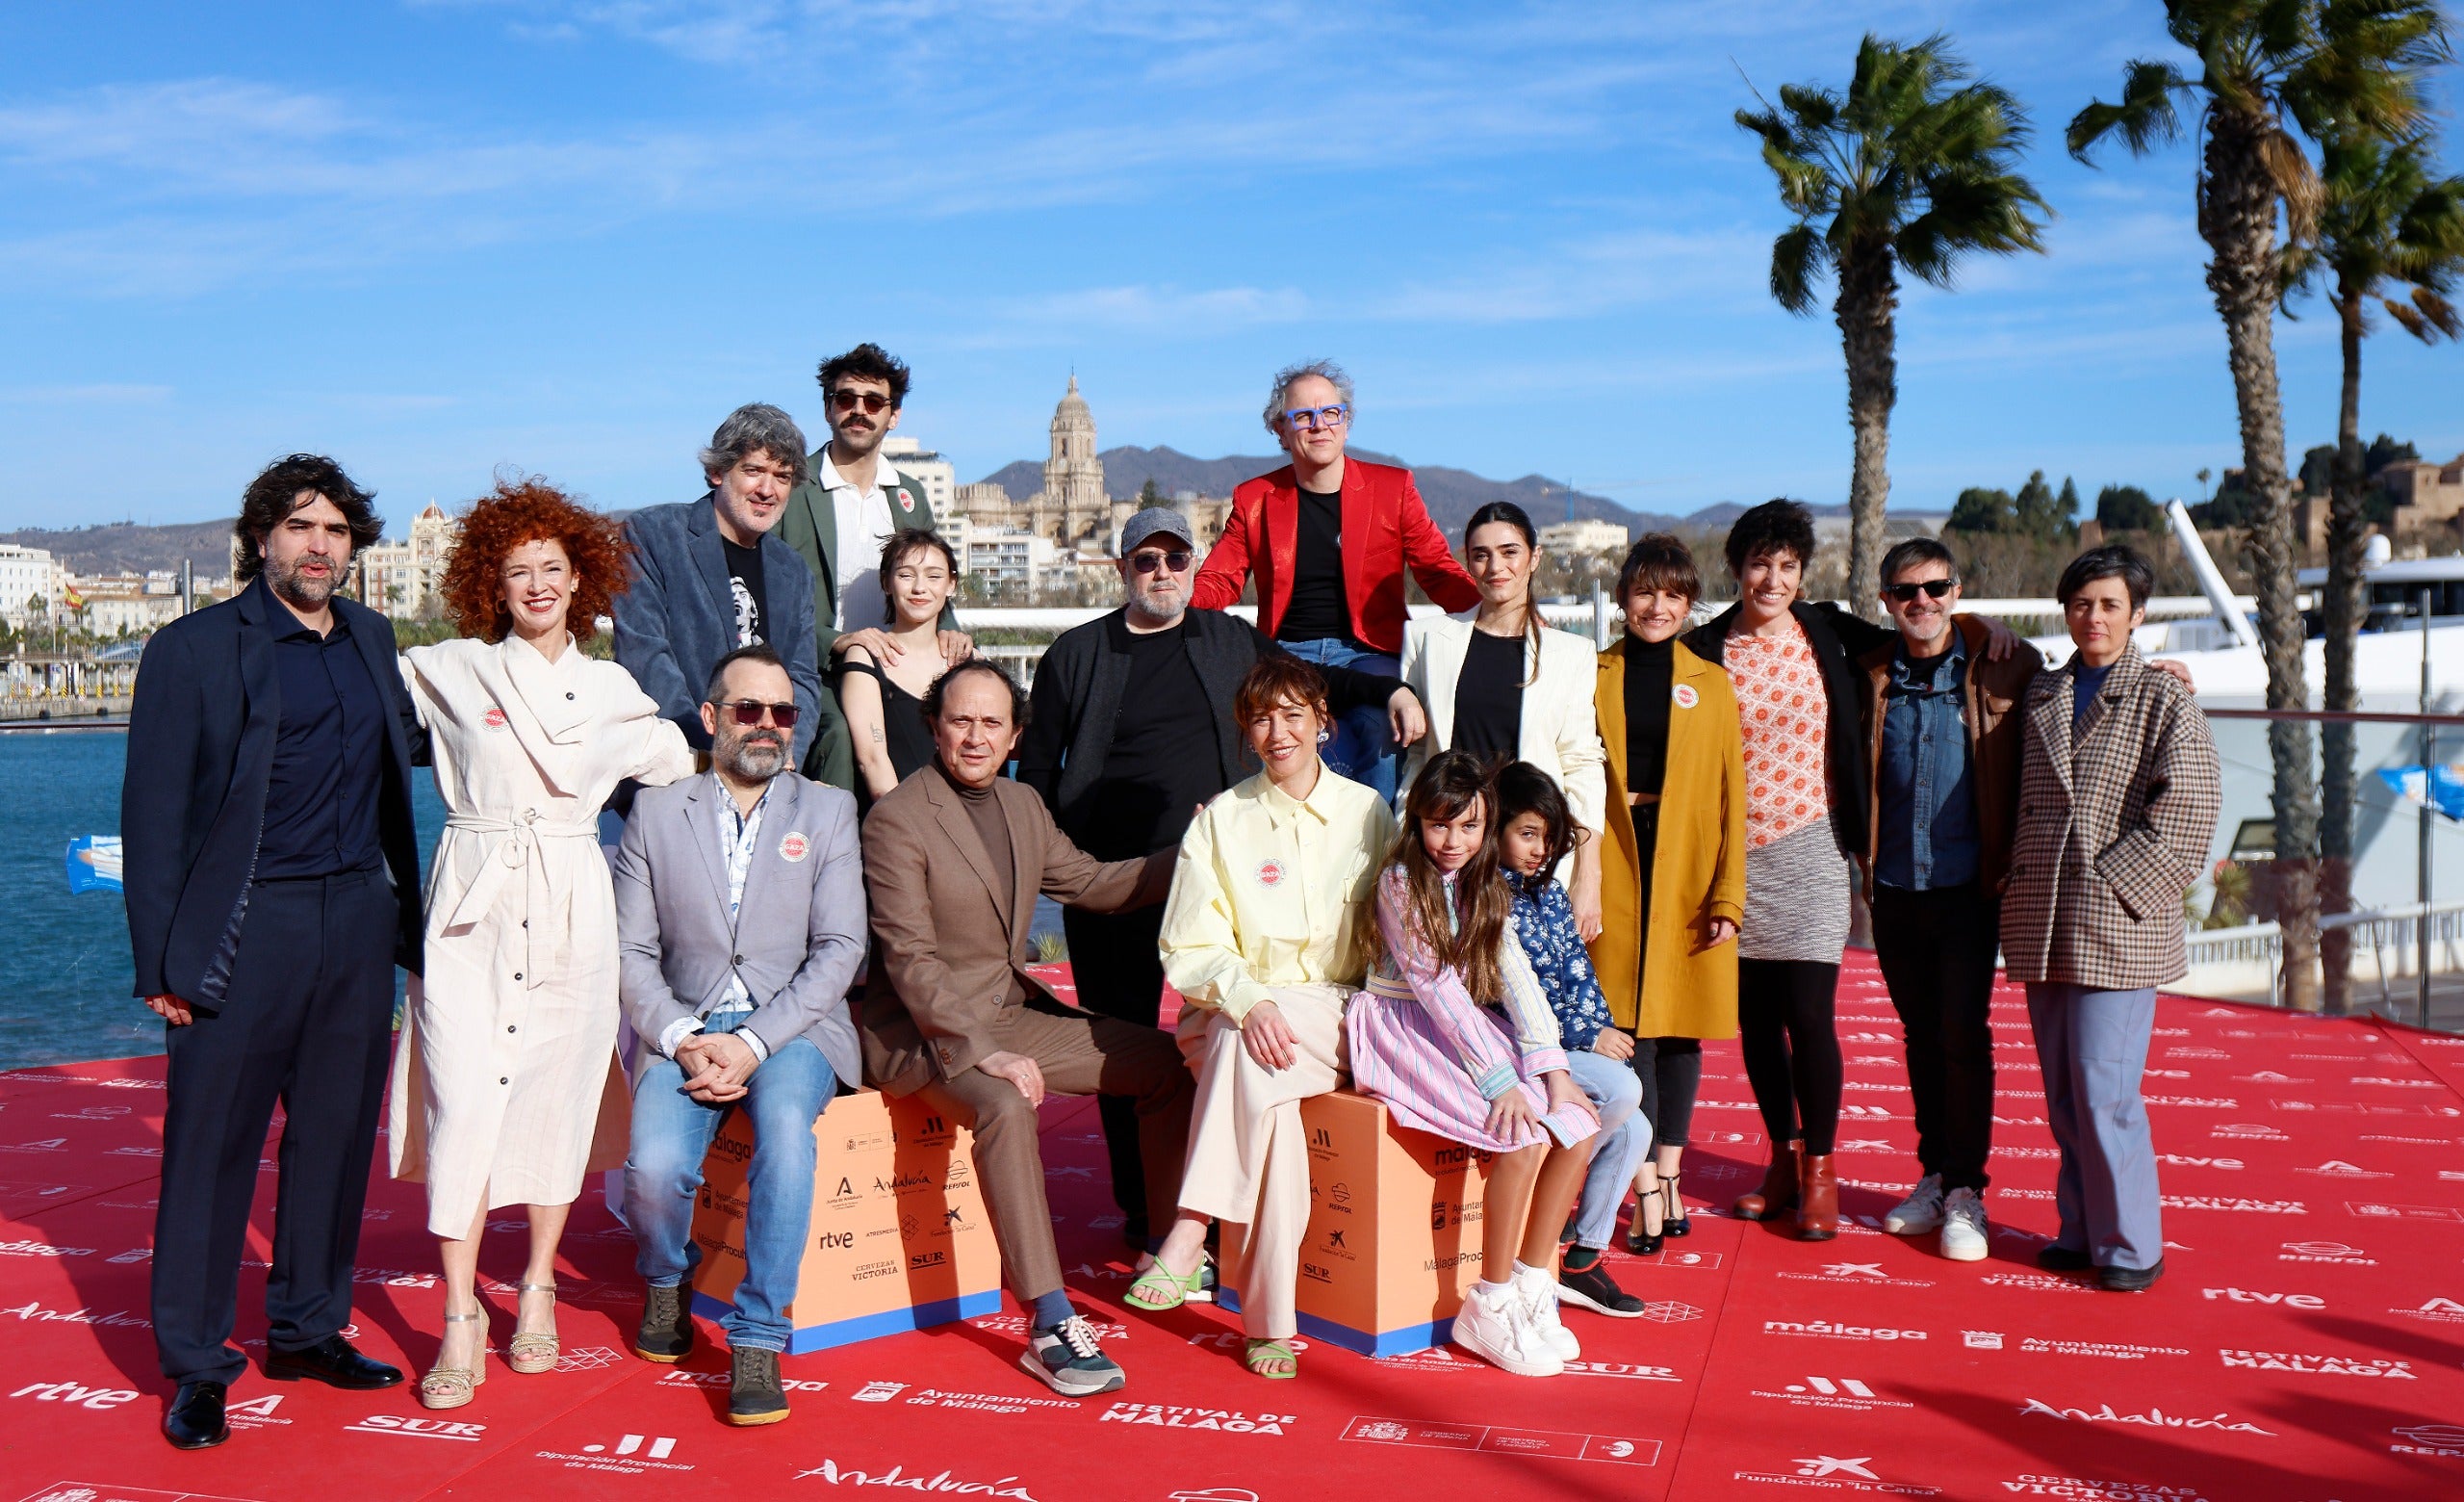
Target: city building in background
(1590,535)
(940,477)
(26,575)
(401,577)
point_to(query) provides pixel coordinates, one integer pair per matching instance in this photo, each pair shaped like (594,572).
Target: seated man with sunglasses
(1131,732)
(736,990)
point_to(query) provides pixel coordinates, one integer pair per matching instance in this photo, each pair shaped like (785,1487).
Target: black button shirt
(329,756)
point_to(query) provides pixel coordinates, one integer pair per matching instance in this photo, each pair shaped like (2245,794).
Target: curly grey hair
(1324,369)
(754,428)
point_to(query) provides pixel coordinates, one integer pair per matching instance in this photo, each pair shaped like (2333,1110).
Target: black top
(745,582)
(1649,667)
(1160,763)
(320,805)
(1488,697)
(904,735)
(1317,610)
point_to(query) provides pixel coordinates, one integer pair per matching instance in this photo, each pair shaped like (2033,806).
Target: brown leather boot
(1817,1200)
(1779,1192)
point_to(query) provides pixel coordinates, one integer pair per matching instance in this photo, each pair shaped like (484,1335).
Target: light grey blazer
(799,935)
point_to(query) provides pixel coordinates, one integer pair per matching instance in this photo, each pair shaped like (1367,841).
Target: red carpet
(2305,1344)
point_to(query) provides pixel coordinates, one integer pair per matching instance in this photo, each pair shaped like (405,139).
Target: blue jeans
(672,1132)
(2092,1046)
(1363,748)
(1616,1091)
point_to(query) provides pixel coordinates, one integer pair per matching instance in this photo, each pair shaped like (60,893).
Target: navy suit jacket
(679,617)
(201,758)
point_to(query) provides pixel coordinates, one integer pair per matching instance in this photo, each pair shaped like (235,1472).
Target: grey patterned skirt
(1796,898)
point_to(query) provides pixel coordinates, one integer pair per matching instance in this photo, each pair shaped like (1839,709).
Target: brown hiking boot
(755,1393)
(1777,1195)
(1817,1200)
(666,1336)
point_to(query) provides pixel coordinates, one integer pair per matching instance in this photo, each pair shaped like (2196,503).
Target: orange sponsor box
(1394,1228)
(899,1239)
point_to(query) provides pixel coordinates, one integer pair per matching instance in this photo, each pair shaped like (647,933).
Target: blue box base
(868,1327)
(1399,1341)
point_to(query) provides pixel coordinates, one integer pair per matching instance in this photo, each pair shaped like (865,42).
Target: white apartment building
(25,573)
(402,578)
(940,476)
(1589,535)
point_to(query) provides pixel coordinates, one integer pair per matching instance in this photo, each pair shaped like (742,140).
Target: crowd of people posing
(1503,884)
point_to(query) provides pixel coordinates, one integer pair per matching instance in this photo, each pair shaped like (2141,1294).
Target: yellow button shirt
(1269,890)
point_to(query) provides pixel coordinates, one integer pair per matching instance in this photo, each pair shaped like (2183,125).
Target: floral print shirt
(1544,919)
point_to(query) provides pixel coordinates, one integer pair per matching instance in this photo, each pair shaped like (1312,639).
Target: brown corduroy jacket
(1996,736)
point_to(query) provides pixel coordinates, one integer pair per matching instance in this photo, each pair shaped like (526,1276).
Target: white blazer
(1559,734)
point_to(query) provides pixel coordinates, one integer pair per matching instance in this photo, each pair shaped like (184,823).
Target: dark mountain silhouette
(124,547)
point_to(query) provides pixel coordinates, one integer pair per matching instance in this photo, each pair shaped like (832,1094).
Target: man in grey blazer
(711,575)
(741,921)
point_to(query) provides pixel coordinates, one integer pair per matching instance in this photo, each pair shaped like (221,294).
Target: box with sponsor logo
(1394,1230)
(899,1239)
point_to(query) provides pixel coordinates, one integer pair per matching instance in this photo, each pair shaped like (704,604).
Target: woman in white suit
(1497,682)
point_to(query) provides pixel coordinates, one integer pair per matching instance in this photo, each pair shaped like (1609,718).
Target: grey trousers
(2092,1046)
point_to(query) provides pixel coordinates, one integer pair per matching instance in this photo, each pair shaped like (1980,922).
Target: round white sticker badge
(793,847)
(906,501)
(1686,696)
(1270,872)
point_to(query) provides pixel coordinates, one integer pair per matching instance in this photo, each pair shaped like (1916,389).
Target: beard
(1156,609)
(754,757)
(303,589)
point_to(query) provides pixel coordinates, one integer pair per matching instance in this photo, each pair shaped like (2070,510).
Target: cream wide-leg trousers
(1249,1157)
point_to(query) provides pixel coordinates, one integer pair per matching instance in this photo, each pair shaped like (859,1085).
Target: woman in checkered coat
(2119,794)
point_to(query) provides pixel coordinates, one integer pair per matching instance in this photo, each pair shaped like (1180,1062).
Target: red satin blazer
(1385,530)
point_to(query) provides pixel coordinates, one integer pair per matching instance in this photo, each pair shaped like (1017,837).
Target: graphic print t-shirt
(752,597)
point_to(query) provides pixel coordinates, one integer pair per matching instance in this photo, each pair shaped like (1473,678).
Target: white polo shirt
(863,518)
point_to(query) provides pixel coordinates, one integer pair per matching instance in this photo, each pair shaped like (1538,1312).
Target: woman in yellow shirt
(1257,938)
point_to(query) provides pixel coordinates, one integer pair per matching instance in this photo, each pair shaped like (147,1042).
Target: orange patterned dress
(1796,880)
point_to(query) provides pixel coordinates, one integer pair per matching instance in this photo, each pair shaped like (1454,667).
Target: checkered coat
(2114,828)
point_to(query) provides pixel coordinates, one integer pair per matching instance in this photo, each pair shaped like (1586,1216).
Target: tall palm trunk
(1867,306)
(2237,218)
(2342,604)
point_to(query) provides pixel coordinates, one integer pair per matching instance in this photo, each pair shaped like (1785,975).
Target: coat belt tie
(512,844)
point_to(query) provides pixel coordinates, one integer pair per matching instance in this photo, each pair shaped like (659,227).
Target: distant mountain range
(124,547)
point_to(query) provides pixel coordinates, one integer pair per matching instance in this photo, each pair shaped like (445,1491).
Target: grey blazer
(798,936)
(679,617)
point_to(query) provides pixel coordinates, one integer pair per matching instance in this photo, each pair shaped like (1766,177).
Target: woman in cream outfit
(506,1085)
(1497,682)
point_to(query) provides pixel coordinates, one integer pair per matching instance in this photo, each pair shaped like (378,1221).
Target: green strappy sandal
(1261,1353)
(1160,1288)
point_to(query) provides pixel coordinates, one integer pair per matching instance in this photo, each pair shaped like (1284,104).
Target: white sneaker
(1540,1311)
(1963,1238)
(1921,1210)
(1493,1328)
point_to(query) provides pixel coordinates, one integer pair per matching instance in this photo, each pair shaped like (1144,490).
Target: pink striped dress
(1436,1058)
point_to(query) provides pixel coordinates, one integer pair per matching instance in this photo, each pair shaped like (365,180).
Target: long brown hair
(1465,940)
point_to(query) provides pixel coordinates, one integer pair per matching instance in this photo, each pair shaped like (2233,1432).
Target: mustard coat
(1688,988)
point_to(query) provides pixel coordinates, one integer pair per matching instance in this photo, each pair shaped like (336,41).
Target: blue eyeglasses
(1314,418)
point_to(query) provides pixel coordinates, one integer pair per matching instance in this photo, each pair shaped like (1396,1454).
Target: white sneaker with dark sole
(1920,1211)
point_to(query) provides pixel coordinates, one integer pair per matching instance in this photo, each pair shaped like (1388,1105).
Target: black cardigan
(1837,639)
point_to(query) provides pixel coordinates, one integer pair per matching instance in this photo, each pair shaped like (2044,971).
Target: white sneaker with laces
(1921,1210)
(1963,1236)
(1493,1328)
(1539,1298)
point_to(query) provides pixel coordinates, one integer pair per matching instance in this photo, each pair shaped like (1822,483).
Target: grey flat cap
(1154,521)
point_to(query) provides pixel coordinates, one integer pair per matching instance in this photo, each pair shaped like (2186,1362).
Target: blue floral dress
(1544,919)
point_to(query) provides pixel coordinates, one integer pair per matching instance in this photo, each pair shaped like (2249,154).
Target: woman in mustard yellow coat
(1673,875)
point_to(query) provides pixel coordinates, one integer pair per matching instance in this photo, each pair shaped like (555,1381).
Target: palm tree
(1908,167)
(2386,226)
(2351,64)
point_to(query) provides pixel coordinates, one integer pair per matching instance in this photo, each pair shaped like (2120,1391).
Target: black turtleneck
(1649,669)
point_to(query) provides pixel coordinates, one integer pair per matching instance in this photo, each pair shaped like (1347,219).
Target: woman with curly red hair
(506,1089)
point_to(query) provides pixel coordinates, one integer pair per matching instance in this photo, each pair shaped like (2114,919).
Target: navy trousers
(308,1022)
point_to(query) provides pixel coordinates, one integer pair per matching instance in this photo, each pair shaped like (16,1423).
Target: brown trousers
(1079,1054)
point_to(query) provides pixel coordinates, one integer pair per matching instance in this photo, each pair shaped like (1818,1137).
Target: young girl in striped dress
(1456,1037)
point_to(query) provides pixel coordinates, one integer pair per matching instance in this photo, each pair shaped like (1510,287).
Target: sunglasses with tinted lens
(749,712)
(1935,589)
(1149,562)
(847,401)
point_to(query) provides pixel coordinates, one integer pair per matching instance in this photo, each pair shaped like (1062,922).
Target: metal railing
(2407,932)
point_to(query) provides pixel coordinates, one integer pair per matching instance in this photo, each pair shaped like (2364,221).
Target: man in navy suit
(710,577)
(266,824)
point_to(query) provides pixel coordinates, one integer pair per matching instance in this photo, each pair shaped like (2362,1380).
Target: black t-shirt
(752,595)
(1318,611)
(1163,761)
(1488,697)
(1650,666)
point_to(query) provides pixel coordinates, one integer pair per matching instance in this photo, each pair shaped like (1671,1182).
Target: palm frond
(2145,118)
(1798,260)
(2437,312)
(2297,182)
(2411,321)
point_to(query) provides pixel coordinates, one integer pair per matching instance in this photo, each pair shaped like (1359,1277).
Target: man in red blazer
(1329,539)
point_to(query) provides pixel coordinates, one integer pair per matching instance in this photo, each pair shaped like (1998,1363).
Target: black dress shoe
(333,1363)
(195,1419)
(2129,1280)
(2057,1258)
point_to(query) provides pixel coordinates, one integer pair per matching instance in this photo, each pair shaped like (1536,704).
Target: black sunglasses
(1149,562)
(1935,589)
(846,400)
(749,712)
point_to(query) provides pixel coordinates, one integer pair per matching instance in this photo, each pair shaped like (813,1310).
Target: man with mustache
(736,990)
(849,503)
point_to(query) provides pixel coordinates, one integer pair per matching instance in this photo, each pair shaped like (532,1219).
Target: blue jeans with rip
(1616,1092)
(1363,748)
(672,1132)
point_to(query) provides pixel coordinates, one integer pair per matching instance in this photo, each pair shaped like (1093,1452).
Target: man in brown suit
(954,858)
(2119,794)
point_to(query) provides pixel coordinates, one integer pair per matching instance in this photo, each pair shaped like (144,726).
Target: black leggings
(1672,1072)
(1791,1049)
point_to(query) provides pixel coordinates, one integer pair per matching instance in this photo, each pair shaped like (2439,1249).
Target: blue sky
(437,237)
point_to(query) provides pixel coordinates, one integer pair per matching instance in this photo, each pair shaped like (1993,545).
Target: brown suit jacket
(2114,829)
(1995,738)
(942,958)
